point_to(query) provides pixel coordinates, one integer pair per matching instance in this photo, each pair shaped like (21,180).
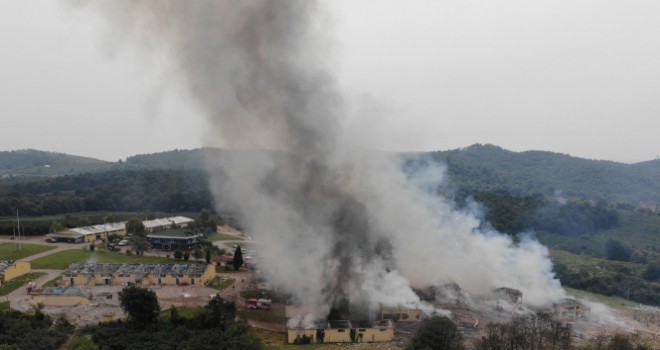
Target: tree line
(121,191)
(525,332)
(514,214)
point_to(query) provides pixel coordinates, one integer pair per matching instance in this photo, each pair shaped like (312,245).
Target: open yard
(218,236)
(221,283)
(63,259)
(10,251)
(274,315)
(19,282)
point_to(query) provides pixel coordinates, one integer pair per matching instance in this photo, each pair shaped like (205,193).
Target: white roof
(117,226)
(94,229)
(166,221)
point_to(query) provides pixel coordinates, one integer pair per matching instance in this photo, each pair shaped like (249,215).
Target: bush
(438,333)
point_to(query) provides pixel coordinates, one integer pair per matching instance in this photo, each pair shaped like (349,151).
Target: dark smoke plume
(339,227)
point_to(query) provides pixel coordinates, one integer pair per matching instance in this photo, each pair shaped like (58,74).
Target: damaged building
(342,331)
(300,331)
(138,274)
(568,310)
(508,295)
(400,314)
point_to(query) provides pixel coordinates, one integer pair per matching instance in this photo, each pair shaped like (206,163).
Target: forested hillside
(39,163)
(491,168)
(117,190)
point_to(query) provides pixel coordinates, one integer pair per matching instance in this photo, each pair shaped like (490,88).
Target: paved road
(19,298)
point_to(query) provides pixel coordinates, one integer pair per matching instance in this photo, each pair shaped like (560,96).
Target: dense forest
(491,168)
(118,190)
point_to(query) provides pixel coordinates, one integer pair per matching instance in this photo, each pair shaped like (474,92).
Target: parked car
(123,242)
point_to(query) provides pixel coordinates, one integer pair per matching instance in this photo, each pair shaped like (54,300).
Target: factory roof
(135,269)
(163,222)
(94,229)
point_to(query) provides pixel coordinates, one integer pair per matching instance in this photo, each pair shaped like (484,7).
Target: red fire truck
(259,304)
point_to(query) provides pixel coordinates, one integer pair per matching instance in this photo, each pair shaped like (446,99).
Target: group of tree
(487,168)
(117,190)
(513,214)
(613,279)
(215,327)
(36,331)
(526,332)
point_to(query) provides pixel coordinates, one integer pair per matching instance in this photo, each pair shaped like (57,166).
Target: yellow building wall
(343,335)
(209,274)
(19,268)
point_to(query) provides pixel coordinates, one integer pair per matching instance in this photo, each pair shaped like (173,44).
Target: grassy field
(217,236)
(597,265)
(183,311)
(4,306)
(52,283)
(19,282)
(274,315)
(9,251)
(611,301)
(221,283)
(62,260)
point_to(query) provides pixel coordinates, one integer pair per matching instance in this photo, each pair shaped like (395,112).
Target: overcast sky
(576,77)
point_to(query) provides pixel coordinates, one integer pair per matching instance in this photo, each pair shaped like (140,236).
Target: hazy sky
(577,77)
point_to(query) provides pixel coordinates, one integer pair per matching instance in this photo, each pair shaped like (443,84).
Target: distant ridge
(488,168)
(29,162)
(475,168)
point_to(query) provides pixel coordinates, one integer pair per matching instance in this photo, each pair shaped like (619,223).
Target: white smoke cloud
(337,224)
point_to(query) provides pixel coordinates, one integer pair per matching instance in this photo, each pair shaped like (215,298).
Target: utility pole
(18,223)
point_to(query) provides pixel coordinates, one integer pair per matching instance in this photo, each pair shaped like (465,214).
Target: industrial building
(138,274)
(10,269)
(343,331)
(176,240)
(347,331)
(97,232)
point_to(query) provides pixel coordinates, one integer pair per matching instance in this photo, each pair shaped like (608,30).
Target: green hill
(33,163)
(490,168)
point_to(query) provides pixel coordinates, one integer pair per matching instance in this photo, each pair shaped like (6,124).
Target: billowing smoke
(337,226)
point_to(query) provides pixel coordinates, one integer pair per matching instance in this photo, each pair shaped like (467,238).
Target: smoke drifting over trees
(338,224)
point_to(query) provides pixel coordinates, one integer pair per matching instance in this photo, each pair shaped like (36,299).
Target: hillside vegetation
(31,163)
(491,168)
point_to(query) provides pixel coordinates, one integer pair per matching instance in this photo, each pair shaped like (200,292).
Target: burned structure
(508,295)
(342,331)
(568,310)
